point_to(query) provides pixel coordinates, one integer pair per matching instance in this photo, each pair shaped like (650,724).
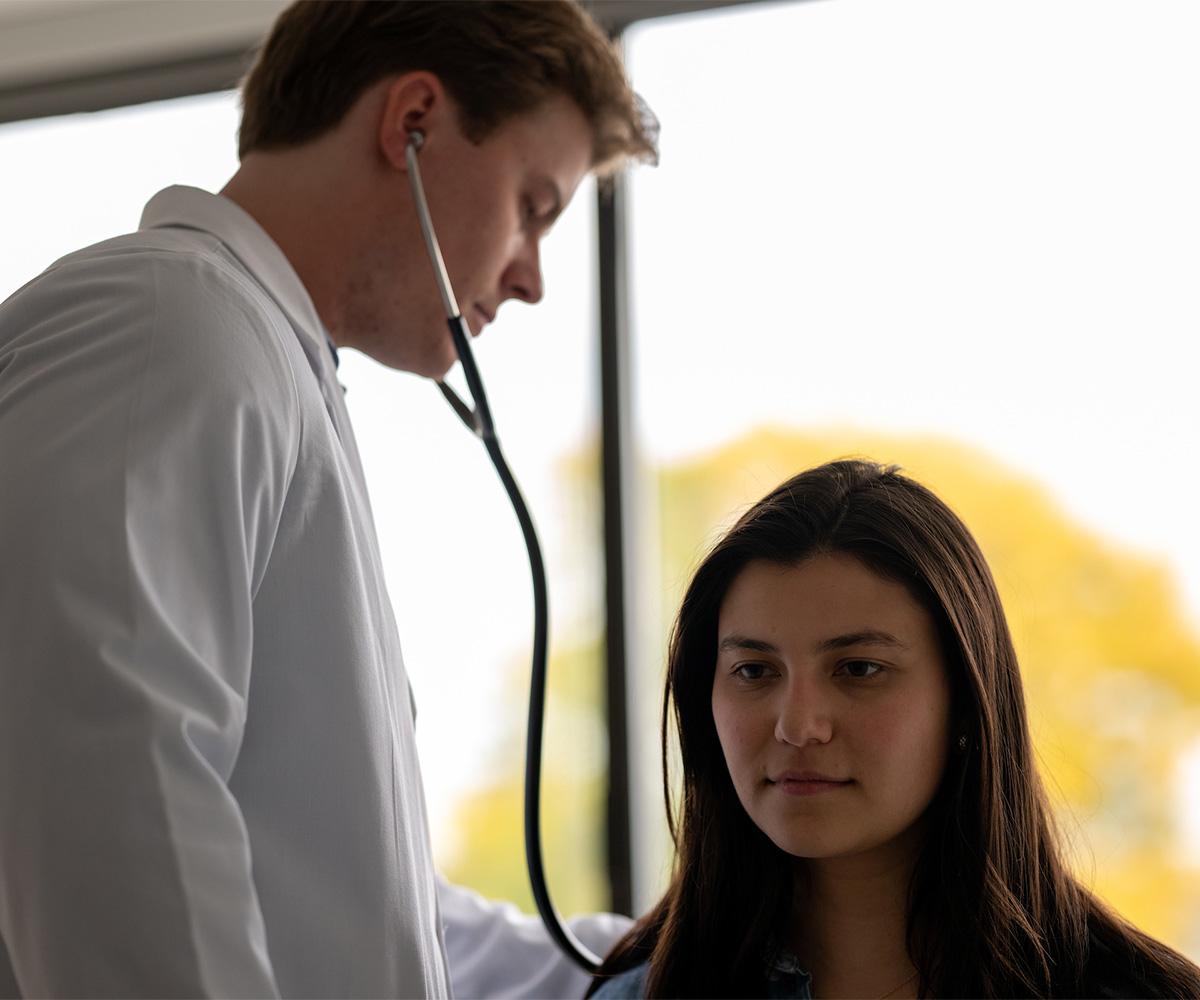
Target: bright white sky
(977,219)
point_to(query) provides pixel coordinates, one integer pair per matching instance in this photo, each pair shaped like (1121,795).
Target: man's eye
(860,669)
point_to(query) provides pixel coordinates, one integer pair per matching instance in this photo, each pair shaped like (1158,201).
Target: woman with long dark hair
(860,814)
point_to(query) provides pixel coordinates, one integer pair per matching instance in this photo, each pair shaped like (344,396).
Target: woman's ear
(412,101)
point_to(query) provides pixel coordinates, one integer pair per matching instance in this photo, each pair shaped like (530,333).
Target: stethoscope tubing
(479,422)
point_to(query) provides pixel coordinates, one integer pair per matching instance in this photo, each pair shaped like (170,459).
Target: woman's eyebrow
(735,641)
(861,637)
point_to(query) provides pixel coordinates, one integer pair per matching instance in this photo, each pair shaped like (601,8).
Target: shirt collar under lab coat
(193,208)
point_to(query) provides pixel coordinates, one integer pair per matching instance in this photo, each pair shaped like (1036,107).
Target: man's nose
(805,715)
(523,279)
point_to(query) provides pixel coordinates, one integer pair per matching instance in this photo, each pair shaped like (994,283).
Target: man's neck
(276,190)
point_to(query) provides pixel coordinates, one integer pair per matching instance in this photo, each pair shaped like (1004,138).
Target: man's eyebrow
(735,641)
(861,637)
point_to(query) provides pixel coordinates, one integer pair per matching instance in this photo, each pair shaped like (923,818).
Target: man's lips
(485,315)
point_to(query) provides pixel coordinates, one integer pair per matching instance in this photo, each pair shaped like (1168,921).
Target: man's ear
(415,100)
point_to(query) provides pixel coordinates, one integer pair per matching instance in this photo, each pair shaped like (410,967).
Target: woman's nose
(804,717)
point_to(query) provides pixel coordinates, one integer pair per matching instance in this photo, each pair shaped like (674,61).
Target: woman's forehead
(822,598)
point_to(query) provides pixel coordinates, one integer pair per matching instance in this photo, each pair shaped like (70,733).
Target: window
(961,238)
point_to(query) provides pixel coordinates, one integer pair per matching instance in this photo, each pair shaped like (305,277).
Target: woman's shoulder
(785,979)
(627,985)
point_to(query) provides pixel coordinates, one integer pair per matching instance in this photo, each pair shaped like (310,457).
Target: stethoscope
(479,422)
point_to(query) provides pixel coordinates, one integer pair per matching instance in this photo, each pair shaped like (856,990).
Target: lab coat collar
(193,208)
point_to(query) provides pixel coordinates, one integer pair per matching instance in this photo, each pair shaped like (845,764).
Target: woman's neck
(850,924)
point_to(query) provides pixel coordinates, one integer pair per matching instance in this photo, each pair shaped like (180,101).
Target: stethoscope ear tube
(479,422)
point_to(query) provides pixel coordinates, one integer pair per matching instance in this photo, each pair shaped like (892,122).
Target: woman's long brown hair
(993,909)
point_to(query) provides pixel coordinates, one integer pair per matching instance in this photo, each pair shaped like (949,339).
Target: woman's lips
(803,784)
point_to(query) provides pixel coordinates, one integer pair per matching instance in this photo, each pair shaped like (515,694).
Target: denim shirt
(785,981)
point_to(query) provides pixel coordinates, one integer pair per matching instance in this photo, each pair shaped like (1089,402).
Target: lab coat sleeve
(147,434)
(494,951)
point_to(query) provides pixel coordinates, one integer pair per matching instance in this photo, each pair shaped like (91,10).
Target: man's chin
(448,361)
(431,358)
(430,368)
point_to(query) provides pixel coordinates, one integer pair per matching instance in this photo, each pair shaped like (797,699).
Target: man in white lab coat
(208,780)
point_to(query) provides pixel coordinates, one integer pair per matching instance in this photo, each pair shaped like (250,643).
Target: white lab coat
(208,777)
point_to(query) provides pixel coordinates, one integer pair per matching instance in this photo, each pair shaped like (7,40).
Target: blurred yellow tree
(1110,660)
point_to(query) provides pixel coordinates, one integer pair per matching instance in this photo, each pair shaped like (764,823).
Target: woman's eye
(861,668)
(750,671)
